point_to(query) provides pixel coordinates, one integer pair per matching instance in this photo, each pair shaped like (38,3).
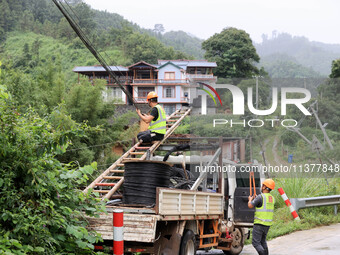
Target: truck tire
(188,243)
(237,243)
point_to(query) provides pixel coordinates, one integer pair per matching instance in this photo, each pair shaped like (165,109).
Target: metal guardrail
(299,203)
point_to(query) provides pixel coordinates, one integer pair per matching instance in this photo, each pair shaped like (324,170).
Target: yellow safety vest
(159,125)
(264,214)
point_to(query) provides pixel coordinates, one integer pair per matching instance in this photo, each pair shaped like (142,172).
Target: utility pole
(257,92)
(322,128)
(251,148)
(301,135)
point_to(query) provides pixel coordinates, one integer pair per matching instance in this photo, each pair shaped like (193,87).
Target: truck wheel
(237,243)
(188,243)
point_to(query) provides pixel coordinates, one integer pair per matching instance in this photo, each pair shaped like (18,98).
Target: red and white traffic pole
(118,232)
(289,204)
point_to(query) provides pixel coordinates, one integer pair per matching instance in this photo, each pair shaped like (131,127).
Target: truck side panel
(137,227)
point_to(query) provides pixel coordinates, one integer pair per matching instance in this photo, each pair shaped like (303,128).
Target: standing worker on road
(156,118)
(264,212)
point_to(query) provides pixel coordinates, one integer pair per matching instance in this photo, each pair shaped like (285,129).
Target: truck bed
(171,204)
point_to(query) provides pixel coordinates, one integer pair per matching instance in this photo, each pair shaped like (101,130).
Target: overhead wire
(86,41)
(84,34)
(107,56)
(98,145)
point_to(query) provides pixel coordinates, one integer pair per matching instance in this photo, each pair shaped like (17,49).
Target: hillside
(283,66)
(107,31)
(311,57)
(182,41)
(179,40)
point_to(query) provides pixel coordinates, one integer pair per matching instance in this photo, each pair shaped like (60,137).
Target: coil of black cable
(141,178)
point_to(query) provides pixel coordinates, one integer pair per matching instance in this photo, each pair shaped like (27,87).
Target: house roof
(85,69)
(142,63)
(180,64)
(170,63)
(184,63)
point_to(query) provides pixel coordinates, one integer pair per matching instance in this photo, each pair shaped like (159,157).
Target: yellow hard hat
(151,94)
(269,183)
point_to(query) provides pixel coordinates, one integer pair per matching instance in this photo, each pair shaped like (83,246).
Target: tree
(65,30)
(159,28)
(329,96)
(39,10)
(26,21)
(234,53)
(335,69)
(6,20)
(85,16)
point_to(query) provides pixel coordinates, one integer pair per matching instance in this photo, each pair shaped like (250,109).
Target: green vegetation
(41,209)
(281,66)
(43,17)
(183,42)
(53,128)
(234,53)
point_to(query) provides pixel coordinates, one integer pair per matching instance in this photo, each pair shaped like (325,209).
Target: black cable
(141,180)
(91,48)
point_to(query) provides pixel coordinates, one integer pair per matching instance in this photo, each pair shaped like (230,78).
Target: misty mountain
(311,57)
(179,40)
(282,55)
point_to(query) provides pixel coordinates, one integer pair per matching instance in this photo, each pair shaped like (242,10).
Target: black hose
(180,147)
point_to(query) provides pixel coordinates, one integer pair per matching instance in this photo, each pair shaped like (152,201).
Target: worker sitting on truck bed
(264,211)
(156,118)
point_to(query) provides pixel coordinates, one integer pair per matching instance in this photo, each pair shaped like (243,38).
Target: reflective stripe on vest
(264,214)
(159,125)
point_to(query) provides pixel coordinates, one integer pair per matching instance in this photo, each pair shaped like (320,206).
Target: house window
(169,91)
(169,108)
(114,93)
(143,74)
(144,91)
(169,76)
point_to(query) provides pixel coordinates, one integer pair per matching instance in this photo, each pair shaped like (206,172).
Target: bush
(41,210)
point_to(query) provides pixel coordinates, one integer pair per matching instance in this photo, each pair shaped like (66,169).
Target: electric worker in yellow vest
(263,219)
(156,120)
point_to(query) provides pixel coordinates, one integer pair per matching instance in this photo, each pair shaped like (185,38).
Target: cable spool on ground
(141,178)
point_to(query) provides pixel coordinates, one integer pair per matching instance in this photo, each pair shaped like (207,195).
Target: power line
(97,145)
(107,56)
(77,29)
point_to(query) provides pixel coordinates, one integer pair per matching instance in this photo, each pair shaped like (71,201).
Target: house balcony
(202,77)
(111,81)
(144,82)
(161,100)
(140,99)
(185,100)
(173,82)
(154,82)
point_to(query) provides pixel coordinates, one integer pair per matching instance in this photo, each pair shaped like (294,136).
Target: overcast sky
(318,20)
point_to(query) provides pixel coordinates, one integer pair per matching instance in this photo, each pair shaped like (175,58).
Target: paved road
(318,241)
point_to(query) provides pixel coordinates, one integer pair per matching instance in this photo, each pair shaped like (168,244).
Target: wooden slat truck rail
(137,227)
